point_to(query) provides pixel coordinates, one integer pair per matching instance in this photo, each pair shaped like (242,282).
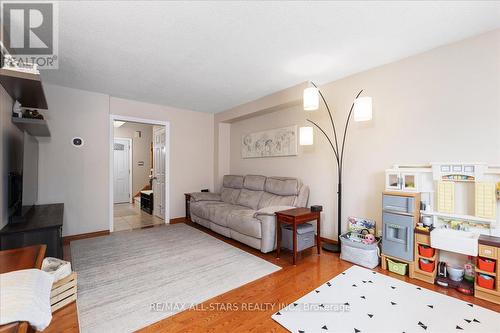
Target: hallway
(128,216)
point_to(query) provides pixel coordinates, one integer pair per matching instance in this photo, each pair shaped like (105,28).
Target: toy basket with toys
(359,245)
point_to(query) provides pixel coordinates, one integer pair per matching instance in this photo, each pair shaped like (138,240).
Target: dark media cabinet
(42,225)
(147,201)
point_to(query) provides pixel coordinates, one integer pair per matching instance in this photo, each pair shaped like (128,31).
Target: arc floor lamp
(361,108)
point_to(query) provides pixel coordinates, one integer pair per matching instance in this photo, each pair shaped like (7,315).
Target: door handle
(396,212)
(408,241)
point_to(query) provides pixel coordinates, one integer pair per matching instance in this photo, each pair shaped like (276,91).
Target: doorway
(139,155)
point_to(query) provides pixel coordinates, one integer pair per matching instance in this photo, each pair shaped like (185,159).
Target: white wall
(141,151)
(224,158)
(442,105)
(79,177)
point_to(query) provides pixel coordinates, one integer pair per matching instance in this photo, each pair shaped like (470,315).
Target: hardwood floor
(263,297)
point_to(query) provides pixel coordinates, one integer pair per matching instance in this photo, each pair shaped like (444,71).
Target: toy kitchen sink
(458,241)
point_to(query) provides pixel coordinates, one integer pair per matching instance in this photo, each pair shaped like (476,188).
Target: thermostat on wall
(77,142)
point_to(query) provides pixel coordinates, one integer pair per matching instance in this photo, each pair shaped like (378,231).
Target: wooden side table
(295,217)
(187,197)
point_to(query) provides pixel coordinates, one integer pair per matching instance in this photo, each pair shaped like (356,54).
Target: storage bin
(397,267)
(425,251)
(63,292)
(485,281)
(56,267)
(487,265)
(366,255)
(426,265)
(305,236)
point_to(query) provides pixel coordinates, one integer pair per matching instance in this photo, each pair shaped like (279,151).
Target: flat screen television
(22,166)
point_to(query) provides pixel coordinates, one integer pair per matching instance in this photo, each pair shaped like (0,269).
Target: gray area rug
(132,279)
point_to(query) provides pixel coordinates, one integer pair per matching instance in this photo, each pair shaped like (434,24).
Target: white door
(159,151)
(121,171)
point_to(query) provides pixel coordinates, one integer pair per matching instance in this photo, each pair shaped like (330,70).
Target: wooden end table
(295,217)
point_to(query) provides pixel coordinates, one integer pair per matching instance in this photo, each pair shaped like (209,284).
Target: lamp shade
(306,137)
(311,99)
(363,109)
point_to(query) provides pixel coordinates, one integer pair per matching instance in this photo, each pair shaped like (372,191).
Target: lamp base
(335,248)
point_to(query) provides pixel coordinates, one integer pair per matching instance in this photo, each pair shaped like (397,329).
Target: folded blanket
(25,296)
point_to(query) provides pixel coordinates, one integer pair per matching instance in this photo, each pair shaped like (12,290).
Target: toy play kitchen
(440,223)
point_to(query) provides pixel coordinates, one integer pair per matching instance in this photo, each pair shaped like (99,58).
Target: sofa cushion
(282,185)
(200,221)
(218,214)
(249,198)
(242,221)
(269,199)
(230,195)
(253,182)
(220,229)
(302,198)
(202,208)
(232,181)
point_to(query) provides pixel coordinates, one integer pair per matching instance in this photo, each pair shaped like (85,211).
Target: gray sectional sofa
(244,209)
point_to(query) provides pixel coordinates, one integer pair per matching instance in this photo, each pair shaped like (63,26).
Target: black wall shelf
(24,87)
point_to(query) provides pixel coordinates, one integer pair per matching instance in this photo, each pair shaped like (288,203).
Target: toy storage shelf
(489,247)
(493,292)
(485,272)
(433,258)
(429,277)
(423,238)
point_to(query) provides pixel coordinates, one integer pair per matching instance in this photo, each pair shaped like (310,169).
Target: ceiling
(210,56)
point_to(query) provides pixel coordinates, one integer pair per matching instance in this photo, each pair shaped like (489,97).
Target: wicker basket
(353,250)
(63,292)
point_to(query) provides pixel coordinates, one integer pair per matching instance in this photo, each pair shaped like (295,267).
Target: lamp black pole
(339,158)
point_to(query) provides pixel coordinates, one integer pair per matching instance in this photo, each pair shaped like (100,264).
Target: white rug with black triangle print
(360,300)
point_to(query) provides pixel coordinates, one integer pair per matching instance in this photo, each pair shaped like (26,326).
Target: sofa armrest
(267,219)
(205,196)
(271,210)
